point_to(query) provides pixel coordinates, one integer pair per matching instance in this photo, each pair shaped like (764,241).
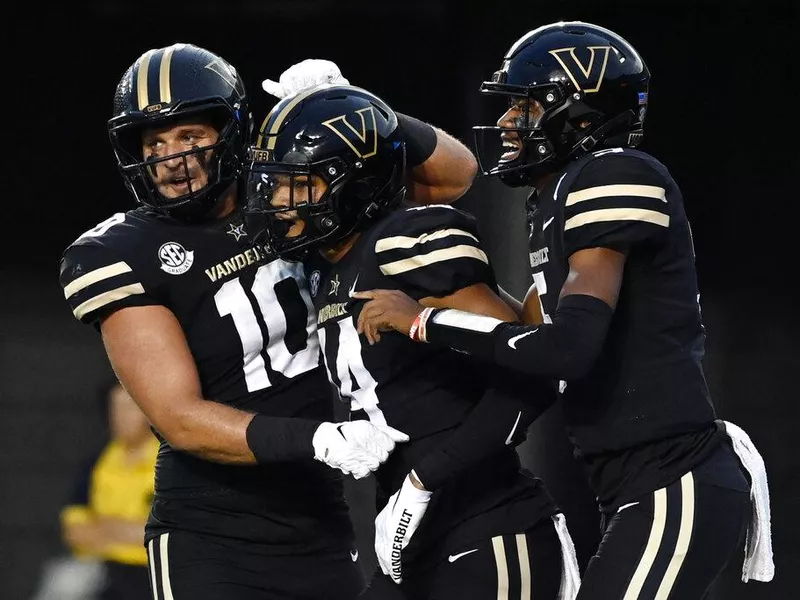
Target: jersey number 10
(231,299)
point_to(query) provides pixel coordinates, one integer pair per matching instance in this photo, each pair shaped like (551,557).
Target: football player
(614,282)
(326,186)
(216,341)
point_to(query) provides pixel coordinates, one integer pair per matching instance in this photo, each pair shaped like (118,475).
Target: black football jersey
(643,415)
(424,390)
(250,326)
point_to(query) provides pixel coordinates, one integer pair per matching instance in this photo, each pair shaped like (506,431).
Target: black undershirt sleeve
(564,349)
(500,419)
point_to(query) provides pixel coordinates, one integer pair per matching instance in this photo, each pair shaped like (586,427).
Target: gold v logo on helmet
(587,78)
(224,70)
(364,140)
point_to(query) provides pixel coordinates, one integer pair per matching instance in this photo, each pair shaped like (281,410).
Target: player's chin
(508,157)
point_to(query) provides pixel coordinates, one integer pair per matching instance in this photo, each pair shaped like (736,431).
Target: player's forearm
(212,431)
(446,175)
(565,349)
(440,168)
(515,304)
(224,434)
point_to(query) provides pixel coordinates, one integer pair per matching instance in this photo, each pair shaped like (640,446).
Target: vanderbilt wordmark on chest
(235,263)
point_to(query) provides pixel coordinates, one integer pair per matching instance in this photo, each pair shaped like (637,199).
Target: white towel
(570,574)
(758,563)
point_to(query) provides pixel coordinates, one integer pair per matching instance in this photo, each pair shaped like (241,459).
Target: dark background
(723,117)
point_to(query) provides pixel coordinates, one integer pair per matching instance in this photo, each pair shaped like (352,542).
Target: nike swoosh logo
(512,343)
(353,287)
(513,429)
(454,557)
(624,506)
(547,223)
(354,555)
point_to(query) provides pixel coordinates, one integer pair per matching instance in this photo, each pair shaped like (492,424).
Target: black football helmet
(344,135)
(592,86)
(166,85)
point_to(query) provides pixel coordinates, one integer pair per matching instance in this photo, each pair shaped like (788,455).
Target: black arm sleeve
(565,349)
(500,419)
(420,139)
(281,439)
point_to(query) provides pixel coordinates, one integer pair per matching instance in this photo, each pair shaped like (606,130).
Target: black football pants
(674,542)
(523,566)
(185,566)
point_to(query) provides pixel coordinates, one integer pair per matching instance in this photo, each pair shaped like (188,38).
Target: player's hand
(356,447)
(386,310)
(306,74)
(396,523)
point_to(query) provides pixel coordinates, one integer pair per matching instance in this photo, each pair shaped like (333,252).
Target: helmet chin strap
(586,145)
(526,175)
(599,134)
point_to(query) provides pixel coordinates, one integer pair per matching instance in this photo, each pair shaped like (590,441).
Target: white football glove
(306,74)
(395,525)
(356,447)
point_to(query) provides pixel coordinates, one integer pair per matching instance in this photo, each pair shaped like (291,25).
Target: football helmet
(343,135)
(164,86)
(570,87)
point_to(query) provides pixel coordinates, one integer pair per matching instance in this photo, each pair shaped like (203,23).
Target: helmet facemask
(519,146)
(592,85)
(219,161)
(281,194)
